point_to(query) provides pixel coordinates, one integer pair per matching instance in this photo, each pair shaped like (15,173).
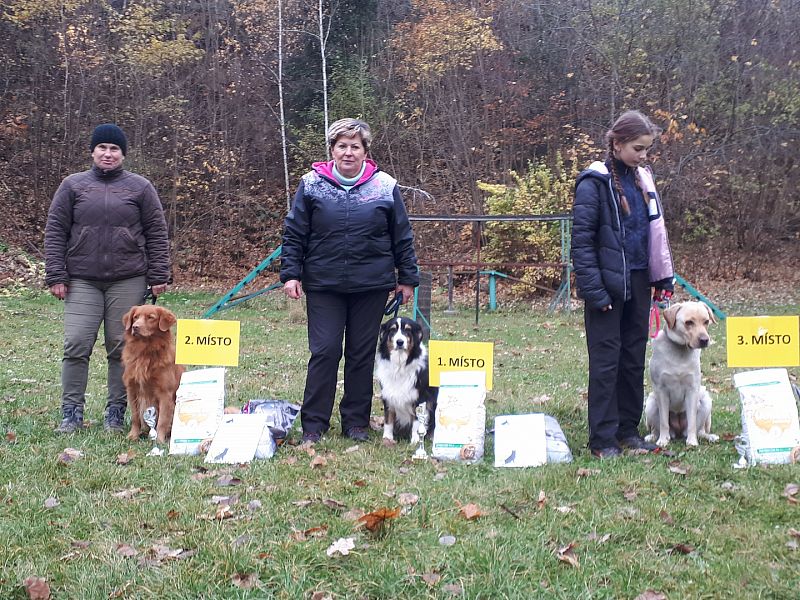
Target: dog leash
(149,295)
(394,305)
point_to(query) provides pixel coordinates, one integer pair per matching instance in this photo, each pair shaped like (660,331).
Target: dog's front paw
(389,442)
(650,437)
(692,442)
(662,442)
(712,438)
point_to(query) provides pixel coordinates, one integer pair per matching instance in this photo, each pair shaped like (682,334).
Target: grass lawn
(157,527)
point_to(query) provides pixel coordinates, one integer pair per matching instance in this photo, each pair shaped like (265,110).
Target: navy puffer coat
(348,241)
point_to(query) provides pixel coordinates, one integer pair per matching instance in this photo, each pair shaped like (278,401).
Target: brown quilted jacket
(106,226)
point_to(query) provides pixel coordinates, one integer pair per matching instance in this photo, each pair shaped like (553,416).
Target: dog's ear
(710,313)
(128,318)
(165,319)
(671,315)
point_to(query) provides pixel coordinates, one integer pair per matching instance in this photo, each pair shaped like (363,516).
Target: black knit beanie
(108,133)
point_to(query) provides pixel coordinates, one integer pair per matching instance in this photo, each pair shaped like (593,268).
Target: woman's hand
(406,290)
(59,290)
(158,289)
(293,289)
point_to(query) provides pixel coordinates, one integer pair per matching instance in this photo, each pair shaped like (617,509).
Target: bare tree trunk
(323,41)
(280,104)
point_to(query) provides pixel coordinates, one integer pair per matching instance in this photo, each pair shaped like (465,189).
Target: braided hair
(629,126)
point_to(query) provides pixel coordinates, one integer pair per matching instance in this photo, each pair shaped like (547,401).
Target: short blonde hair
(349,128)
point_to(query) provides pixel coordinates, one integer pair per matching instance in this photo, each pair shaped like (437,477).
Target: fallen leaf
(51,502)
(351,449)
(541,501)
(162,553)
(629,494)
(128,494)
(431,578)
(173,514)
(254,505)
(565,509)
(404,470)
(125,457)
(470,511)
(582,472)
(321,596)
(229,500)
(354,514)
(790,492)
(318,461)
(125,550)
(447,540)
(341,546)
(11,437)
(37,588)
(666,517)
(792,545)
(681,549)
(334,504)
(543,399)
(223,512)
(651,595)
(79,544)
(593,537)
(245,581)
(69,455)
(439,476)
(453,588)
(302,503)
(375,519)
(677,468)
(407,499)
(360,483)
(227,480)
(567,554)
(793,532)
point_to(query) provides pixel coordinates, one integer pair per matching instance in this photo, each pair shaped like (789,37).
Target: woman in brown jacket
(105,242)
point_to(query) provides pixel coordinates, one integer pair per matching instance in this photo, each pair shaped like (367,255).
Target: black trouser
(617,342)
(331,316)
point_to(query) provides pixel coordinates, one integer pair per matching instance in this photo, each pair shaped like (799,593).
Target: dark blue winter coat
(348,241)
(602,273)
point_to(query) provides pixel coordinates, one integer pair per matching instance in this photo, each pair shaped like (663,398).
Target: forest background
(477,107)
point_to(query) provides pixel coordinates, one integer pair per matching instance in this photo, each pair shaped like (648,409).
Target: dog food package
(460,416)
(199,409)
(557,447)
(519,440)
(770,428)
(238,439)
(280,415)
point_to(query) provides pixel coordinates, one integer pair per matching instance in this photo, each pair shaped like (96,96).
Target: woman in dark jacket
(347,243)
(105,242)
(619,250)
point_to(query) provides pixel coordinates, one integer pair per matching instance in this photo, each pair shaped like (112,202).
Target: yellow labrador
(679,406)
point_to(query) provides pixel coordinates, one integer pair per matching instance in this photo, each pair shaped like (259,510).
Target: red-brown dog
(151,376)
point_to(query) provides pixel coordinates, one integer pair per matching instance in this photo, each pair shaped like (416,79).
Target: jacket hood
(597,169)
(325,169)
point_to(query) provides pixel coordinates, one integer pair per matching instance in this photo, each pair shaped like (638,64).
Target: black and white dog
(401,367)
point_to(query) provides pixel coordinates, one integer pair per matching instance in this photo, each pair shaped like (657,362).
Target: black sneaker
(72,421)
(636,442)
(311,437)
(603,453)
(359,434)
(114,419)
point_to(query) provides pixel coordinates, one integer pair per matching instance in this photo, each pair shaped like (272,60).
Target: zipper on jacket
(622,232)
(107,241)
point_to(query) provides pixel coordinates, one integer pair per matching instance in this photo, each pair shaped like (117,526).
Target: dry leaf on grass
(125,457)
(651,595)
(302,503)
(334,504)
(69,455)
(582,472)
(666,517)
(681,549)
(128,494)
(37,588)
(321,596)
(245,581)
(341,546)
(318,461)
(629,494)
(229,500)
(431,578)
(790,492)
(453,588)
(125,550)
(407,499)
(447,540)
(11,437)
(351,449)
(375,519)
(162,553)
(541,501)
(470,511)
(600,539)
(793,532)
(565,509)
(313,532)
(254,505)
(223,512)
(354,514)
(678,468)
(567,555)
(227,480)
(51,502)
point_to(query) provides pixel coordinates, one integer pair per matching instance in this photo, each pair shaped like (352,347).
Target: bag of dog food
(529,441)
(281,415)
(199,409)
(770,428)
(460,416)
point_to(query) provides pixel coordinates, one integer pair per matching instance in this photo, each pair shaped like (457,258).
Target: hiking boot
(359,434)
(114,420)
(311,437)
(606,453)
(72,421)
(636,442)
